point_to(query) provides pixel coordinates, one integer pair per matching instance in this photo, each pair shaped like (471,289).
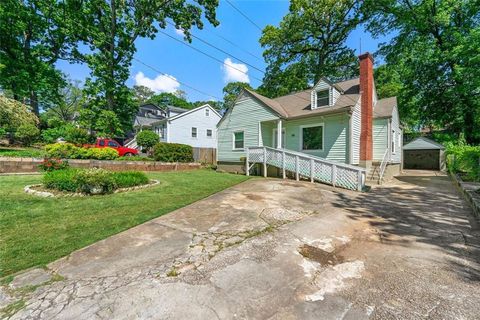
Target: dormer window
(320,98)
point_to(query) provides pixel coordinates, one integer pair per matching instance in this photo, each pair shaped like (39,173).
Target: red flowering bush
(52,164)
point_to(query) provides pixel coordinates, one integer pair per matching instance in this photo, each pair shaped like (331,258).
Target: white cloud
(161,83)
(233,72)
(180,32)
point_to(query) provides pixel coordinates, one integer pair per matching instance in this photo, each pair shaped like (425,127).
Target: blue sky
(201,72)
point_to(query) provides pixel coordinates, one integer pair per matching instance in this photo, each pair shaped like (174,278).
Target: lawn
(35,231)
(22,152)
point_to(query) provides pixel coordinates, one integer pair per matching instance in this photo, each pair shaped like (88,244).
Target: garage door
(421,159)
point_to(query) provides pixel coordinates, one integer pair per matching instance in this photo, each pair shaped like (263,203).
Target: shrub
(173,152)
(464,159)
(95,181)
(127,179)
(77,135)
(27,133)
(65,151)
(51,164)
(92,181)
(70,151)
(101,153)
(147,139)
(52,134)
(62,180)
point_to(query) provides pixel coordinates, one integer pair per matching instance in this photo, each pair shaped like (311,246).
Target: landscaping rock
(32,277)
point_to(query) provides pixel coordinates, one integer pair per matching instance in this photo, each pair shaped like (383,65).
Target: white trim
(284,137)
(196,132)
(193,110)
(322,124)
(206,134)
(233,141)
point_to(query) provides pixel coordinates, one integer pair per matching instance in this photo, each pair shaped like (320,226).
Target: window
(101,143)
(112,144)
(323,98)
(207,112)
(312,137)
(194,132)
(209,133)
(238,140)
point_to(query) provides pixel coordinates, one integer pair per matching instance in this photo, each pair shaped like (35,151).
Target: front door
(275,138)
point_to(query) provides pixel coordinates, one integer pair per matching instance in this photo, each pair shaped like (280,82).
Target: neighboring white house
(196,127)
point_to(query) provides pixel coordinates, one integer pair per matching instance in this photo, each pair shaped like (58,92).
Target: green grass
(35,231)
(23,152)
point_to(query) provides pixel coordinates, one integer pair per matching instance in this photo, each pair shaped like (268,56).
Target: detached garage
(423,153)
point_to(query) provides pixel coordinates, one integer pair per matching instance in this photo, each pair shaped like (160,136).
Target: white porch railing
(132,144)
(383,165)
(315,168)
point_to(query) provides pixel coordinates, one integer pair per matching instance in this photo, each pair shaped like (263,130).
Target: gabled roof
(176,109)
(145,122)
(190,111)
(270,103)
(297,105)
(422,143)
(384,107)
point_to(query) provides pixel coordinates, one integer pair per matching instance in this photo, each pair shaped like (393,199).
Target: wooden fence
(205,155)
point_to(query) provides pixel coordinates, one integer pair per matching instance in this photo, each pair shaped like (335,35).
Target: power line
(244,15)
(175,79)
(237,46)
(207,54)
(221,50)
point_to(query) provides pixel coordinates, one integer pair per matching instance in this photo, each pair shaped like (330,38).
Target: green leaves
(435,54)
(309,44)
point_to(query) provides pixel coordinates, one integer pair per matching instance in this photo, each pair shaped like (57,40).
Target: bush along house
(336,133)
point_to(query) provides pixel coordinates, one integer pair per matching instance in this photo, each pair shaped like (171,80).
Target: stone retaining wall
(16,165)
(468,190)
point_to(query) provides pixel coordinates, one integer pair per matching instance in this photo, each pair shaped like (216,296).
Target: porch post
(247,171)
(264,162)
(279,134)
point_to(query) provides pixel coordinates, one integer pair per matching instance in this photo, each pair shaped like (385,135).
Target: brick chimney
(366,90)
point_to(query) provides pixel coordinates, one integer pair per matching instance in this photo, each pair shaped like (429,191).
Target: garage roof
(422,143)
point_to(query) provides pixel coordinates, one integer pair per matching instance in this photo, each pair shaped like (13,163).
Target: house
(150,113)
(196,127)
(341,122)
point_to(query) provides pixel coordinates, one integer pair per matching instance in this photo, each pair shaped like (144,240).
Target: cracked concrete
(400,253)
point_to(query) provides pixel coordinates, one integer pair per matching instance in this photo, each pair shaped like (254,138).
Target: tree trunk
(34,103)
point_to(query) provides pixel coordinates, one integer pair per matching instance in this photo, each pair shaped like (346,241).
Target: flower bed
(88,182)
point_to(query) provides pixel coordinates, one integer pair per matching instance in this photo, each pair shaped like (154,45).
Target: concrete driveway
(273,249)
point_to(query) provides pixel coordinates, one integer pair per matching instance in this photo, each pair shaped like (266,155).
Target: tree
(231,92)
(147,139)
(142,94)
(14,114)
(217,105)
(113,27)
(165,99)
(70,102)
(435,52)
(108,125)
(32,39)
(309,44)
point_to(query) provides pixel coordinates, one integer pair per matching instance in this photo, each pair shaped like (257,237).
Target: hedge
(94,180)
(70,151)
(173,152)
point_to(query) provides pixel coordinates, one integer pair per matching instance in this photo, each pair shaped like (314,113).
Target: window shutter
(314,99)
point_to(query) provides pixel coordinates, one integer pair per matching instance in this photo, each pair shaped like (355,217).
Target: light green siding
(244,116)
(335,136)
(248,113)
(380,138)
